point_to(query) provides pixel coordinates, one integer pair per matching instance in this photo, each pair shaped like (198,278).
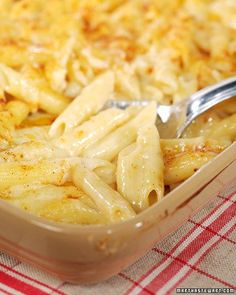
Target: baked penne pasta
(66,204)
(83,136)
(50,171)
(183,157)
(31,150)
(104,169)
(63,155)
(19,111)
(6,126)
(214,119)
(227,107)
(127,85)
(56,70)
(11,115)
(21,88)
(109,147)
(86,104)
(37,120)
(225,129)
(172,147)
(47,168)
(109,202)
(140,169)
(184,165)
(29,134)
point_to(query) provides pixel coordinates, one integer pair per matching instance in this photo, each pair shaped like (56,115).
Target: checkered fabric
(200,254)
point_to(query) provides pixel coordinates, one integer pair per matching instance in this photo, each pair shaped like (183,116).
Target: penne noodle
(56,171)
(200,125)
(225,129)
(49,170)
(172,147)
(184,165)
(86,104)
(61,204)
(104,169)
(140,170)
(24,89)
(18,192)
(6,126)
(37,120)
(228,107)
(128,85)
(19,111)
(110,203)
(83,136)
(31,150)
(183,157)
(56,69)
(10,117)
(30,134)
(109,147)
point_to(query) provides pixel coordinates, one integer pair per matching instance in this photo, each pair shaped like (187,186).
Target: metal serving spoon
(172,120)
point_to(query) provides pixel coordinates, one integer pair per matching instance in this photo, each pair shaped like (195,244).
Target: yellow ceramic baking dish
(86,254)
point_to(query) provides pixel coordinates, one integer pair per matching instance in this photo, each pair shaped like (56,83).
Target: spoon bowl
(172,120)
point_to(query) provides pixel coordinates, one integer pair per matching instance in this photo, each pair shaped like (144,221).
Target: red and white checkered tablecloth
(201,254)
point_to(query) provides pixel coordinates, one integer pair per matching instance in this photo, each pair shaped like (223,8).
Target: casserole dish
(88,254)
(60,62)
